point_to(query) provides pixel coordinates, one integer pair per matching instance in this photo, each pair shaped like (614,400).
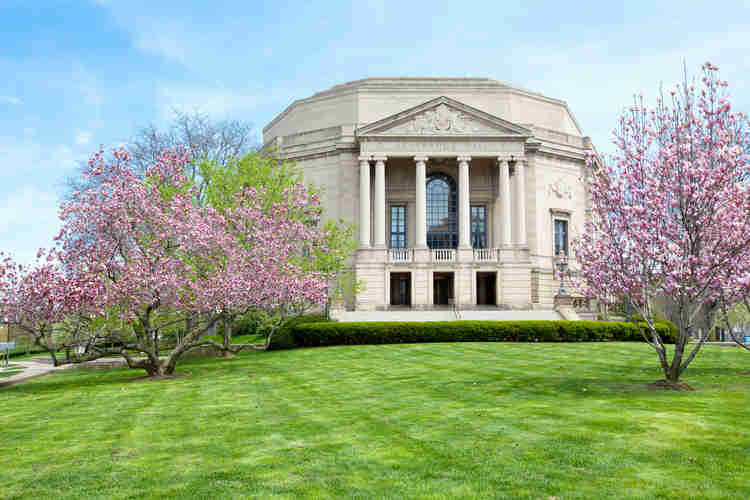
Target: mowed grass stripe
(464,420)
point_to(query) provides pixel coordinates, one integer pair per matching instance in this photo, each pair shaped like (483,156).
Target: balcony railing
(485,255)
(443,255)
(406,255)
(401,254)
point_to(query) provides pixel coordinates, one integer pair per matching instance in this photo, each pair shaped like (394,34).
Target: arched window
(441,211)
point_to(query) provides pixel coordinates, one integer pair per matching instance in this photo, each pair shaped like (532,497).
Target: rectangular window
(561,236)
(398,226)
(479,226)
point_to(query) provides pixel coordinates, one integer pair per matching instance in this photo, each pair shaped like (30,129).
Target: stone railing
(485,255)
(401,255)
(443,255)
(578,303)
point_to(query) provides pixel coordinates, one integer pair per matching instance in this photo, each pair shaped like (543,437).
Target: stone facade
(515,159)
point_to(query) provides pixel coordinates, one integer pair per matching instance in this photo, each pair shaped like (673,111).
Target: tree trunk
(54,358)
(227,333)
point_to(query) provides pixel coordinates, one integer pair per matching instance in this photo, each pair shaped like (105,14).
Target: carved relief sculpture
(442,120)
(561,189)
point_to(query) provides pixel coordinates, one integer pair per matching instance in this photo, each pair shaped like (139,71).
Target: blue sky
(78,74)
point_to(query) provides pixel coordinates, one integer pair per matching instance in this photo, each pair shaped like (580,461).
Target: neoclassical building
(463,189)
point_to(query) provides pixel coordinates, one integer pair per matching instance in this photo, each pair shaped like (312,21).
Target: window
(479,226)
(561,236)
(398,226)
(442,231)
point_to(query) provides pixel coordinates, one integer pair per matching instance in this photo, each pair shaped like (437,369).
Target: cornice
(417,85)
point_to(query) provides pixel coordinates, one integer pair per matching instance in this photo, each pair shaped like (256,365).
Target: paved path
(31,369)
(37,367)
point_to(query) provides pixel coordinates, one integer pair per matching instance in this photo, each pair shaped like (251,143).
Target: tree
(152,258)
(735,317)
(210,140)
(275,177)
(670,212)
(38,299)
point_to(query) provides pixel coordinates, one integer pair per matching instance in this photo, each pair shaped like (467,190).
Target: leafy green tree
(221,181)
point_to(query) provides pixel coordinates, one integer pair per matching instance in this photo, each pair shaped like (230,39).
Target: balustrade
(485,255)
(401,254)
(443,254)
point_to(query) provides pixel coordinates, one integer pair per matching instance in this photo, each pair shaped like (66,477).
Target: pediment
(443,116)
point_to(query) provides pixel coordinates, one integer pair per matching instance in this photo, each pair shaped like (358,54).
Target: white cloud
(30,176)
(216,102)
(28,221)
(170,45)
(83,137)
(11,100)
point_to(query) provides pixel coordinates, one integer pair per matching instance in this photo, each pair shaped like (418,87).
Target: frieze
(385,146)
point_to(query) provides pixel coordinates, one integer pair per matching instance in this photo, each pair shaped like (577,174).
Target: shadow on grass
(620,380)
(100,377)
(569,387)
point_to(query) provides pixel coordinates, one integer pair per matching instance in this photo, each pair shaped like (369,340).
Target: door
(486,282)
(400,289)
(442,289)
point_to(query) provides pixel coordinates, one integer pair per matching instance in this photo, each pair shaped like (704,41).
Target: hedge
(283,337)
(355,333)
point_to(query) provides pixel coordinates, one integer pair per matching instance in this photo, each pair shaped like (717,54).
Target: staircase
(568,313)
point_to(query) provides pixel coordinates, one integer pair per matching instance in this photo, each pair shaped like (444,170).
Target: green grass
(11,370)
(470,420)
(253,338)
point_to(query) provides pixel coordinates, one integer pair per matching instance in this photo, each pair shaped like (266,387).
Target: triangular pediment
(443,116)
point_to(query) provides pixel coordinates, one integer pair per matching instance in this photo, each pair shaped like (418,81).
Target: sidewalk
(31,369)
(38,367)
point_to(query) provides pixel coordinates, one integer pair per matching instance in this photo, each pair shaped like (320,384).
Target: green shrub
(320,334)
(283,338)
(20,350)
(252,323)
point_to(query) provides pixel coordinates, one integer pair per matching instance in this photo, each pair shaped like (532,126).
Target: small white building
(463,189)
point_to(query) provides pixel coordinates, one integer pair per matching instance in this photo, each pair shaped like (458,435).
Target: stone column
(464,204)
(504,201)
(520,196)
(379,201)
(364,202)
(420,229)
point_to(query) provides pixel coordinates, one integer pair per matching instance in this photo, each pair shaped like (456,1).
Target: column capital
(503,159)
(365,157)
(466,159)
(421,158)
(379,157)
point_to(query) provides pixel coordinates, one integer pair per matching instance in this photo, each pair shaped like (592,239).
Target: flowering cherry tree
(139,250)
(671,213)
(39,299)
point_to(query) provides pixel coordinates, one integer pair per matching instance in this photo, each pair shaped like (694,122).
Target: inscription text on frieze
(384,146)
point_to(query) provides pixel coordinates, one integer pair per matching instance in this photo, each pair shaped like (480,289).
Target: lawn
(472,420)
(11,370)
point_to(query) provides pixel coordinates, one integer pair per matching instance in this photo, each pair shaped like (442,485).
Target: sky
(76,75)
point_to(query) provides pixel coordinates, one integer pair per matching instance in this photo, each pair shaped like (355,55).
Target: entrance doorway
(486,286)
(400,289)
(442,288)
